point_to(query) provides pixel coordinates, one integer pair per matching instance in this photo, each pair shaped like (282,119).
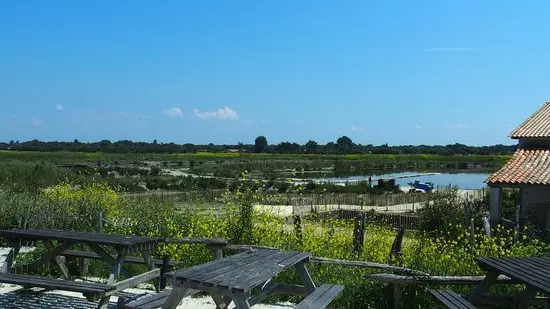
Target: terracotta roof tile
(525,167)
(538,125)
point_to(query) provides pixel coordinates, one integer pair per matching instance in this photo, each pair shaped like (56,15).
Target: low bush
(450,252)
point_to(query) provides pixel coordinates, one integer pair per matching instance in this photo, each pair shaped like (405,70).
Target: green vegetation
(343,145)
(451,252)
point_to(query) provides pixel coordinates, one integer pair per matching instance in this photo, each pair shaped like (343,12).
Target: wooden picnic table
(235,278)
(533,272)
(112,249)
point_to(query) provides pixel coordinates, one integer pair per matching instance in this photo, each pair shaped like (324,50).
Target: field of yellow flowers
(451,253)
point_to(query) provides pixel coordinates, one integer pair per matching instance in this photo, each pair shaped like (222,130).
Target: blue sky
(396,72)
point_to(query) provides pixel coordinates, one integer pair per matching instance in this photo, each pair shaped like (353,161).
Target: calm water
(462,180)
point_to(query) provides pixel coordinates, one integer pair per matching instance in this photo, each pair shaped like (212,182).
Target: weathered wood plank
(133,281)
(394,269)
(321,297)
(443,280)
(55,284)
(175,297)
(78,237)
(214,268)
(269,270)
(257,272)
(128,259)
(452,300)
(305,277)
(278,288)
(511,268)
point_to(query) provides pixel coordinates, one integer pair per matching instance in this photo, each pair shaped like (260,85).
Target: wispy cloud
(59,108)
(37,122)
(355,128)
(449,49)
(225,113)
(175,112)
(457,126)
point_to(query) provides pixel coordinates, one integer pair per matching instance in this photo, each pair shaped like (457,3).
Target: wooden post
(359,234)
(165,269)
(467,215)
(495,205)
(298,228)
(100,221)
(517,223)
(395,252)
(487,227)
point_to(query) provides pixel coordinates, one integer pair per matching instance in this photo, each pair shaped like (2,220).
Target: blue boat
(418,186)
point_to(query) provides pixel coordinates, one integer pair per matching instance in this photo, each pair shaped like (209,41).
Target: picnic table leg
(483,287)
(116,267)
(8,263)
(50,256)
(222,302)
(305,277)
(522,297)
(151,265)
(175,297)
(241,302)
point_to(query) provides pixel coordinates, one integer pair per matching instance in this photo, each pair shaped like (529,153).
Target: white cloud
(175,112)
(356,128)
(59,107)
(225,113)
(448,49)
(418,126)
(37,122)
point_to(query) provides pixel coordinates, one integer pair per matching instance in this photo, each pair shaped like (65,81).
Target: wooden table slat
(265,268)
(266,273)
(194,271)
(543,261)
(231,265)
(245,270)
(508,268)
(541,268)
(97,238)
(516,266)
(241,272)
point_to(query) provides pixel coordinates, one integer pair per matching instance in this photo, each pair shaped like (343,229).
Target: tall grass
(446,254)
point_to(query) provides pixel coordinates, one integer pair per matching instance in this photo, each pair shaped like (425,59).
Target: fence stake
(298,227)
(100,223)
(359,233)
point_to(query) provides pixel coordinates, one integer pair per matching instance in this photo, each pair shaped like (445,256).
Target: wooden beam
(443,280)
(102,253)
(395,269)
(134,281)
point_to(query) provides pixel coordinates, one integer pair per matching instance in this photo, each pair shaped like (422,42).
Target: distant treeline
(343,145)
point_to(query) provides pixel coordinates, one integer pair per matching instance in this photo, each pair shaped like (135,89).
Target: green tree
(260,144)
(311,146)
(344,143)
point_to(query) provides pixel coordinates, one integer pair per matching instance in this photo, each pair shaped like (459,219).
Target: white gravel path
(14,297)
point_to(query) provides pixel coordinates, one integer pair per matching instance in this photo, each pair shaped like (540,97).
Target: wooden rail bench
(152,301)
(321,297)
(88,289)
(452,300)
(165,265)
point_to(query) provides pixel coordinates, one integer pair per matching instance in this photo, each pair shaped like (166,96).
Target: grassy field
(438,252)
(84,156)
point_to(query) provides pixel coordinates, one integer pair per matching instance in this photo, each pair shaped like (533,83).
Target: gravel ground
(14,297)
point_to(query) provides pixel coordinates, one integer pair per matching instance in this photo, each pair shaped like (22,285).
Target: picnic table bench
(245,279)
(101,244)
(533,272)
